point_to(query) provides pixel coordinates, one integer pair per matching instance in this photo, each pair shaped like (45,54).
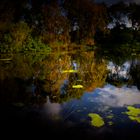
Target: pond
(74,94)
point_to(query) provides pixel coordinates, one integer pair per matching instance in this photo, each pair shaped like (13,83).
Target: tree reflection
(90,74)
(29,78)
(135,73)
(19,75)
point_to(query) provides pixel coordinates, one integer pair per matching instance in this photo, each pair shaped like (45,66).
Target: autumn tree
(55,23)
(6,17)
(85,18)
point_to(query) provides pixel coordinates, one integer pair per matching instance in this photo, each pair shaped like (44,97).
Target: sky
(110,2)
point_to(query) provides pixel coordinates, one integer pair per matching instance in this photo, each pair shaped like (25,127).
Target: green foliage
(55,25)
(19,34)
(35,45)
(88,16)
(19,39)
(5,46)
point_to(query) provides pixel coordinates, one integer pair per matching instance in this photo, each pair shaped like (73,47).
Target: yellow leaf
(69,71)
(77,86)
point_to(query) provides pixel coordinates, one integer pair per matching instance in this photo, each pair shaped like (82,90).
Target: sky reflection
(52,109)
(116,97)
(102,101)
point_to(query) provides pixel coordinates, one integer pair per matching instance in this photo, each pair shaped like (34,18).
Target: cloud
(116,97)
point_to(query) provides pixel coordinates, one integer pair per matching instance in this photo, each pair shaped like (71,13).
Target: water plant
(133,113)
(96,120)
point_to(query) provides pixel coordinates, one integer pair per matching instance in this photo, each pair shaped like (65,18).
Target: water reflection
(117,97)
(52,109)
(67,87)
(53,74)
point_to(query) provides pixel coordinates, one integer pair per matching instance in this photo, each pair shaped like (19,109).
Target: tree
(56,25)
(134,11)
(86,16)
(6,16)
(118,13)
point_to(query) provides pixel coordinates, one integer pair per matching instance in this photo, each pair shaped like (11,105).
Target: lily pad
(110,116)
(133,113)
(110,123)
(96,120)
(79,111)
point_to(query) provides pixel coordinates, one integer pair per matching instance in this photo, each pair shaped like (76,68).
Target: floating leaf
(110,116)
(69,71)
(77,86)
(96,120)
(133,113)
(110,123)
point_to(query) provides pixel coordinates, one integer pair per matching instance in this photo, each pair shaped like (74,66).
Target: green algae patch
(135,118)
(96,120)
(79,111)
(110,123)
(133,113)
(77,86)
(110,116)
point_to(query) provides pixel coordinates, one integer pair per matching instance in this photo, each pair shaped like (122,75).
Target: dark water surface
(70,95)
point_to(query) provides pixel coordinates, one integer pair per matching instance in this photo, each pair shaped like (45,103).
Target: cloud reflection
(117,97)
(52,109)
